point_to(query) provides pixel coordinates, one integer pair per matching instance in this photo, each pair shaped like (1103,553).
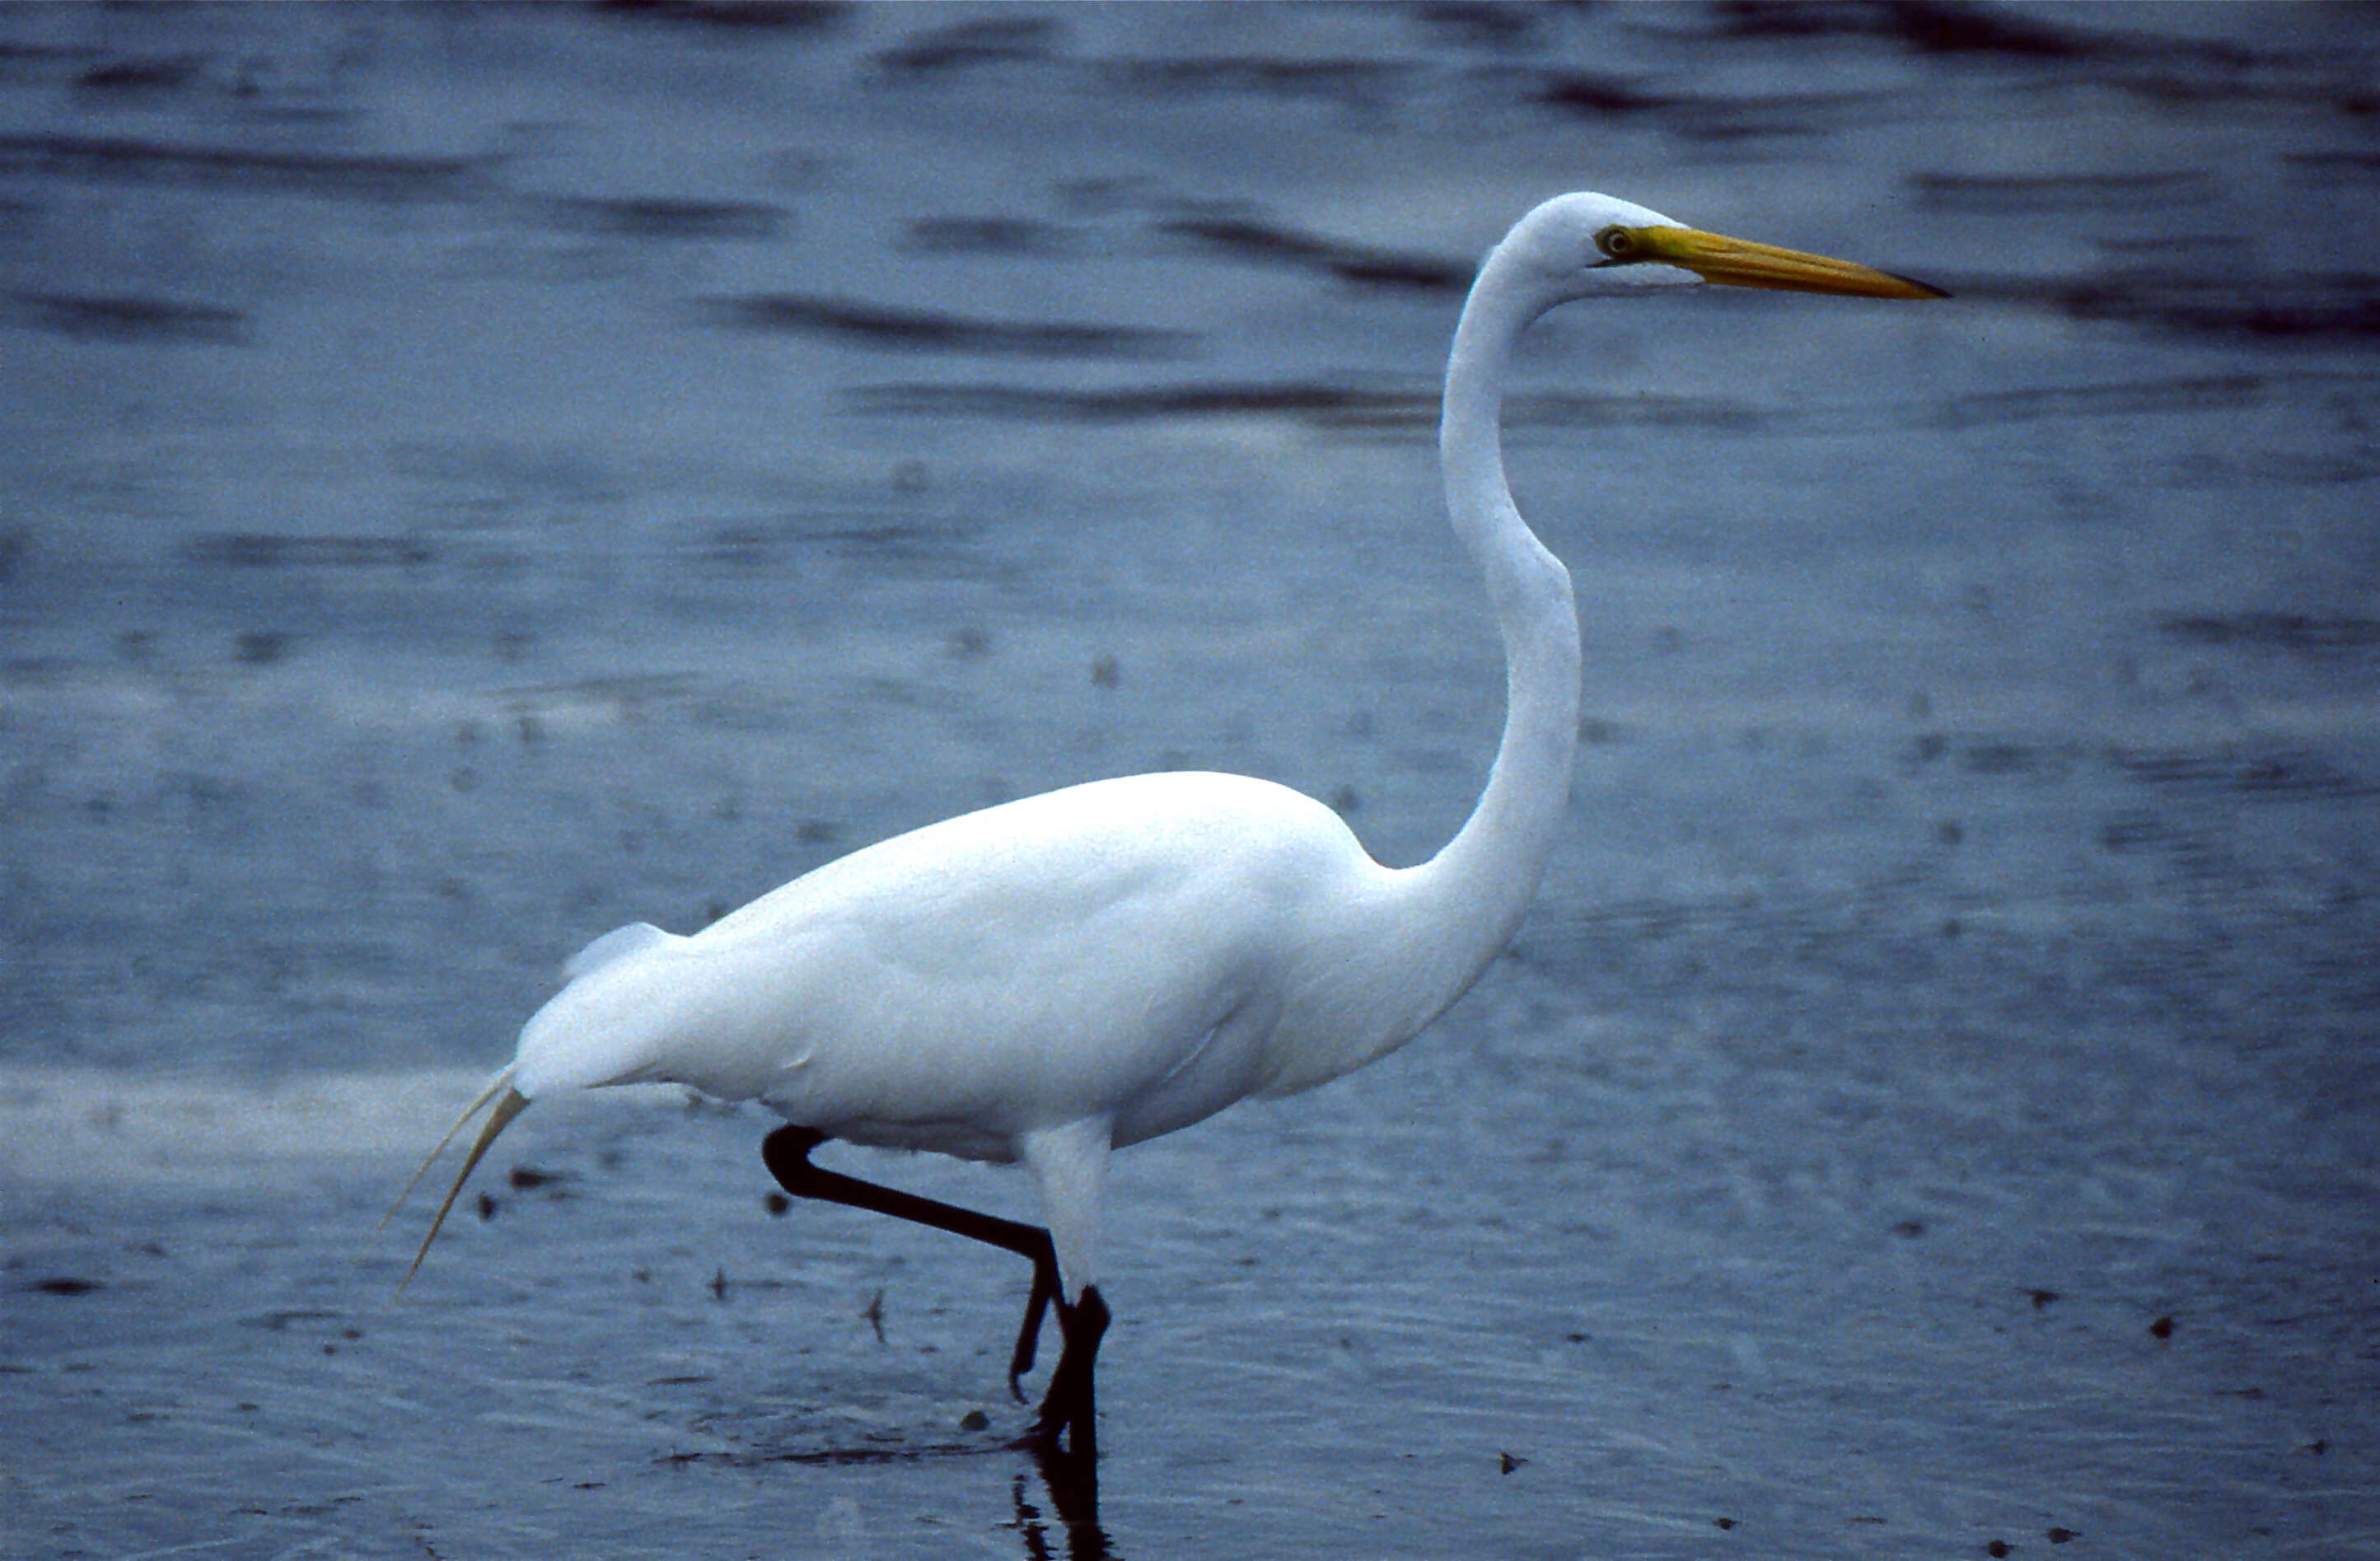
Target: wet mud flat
(471,478)
(1781,1290)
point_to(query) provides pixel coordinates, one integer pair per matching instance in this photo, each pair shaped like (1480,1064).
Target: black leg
(787,1153)
(1037,1305)
(1069,1412)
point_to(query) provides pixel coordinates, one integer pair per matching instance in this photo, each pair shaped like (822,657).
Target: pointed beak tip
(1736,262)
(1917,289)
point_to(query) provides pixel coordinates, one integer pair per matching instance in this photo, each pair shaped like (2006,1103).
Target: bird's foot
(1068,1422)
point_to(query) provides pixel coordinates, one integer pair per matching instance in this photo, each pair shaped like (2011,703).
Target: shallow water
(471,479)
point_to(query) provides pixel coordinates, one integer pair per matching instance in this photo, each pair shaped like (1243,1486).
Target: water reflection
(1061,1519)
(1074,1531)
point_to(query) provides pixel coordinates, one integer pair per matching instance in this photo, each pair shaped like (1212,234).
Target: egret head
(1586,244)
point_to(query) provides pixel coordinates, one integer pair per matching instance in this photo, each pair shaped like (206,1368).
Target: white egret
(1054,978)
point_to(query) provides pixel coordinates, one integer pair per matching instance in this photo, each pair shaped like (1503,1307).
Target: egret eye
(1618,243)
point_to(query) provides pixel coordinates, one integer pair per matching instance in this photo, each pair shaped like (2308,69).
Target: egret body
(1054,978)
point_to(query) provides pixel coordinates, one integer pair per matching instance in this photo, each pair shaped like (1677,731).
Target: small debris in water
(261,647)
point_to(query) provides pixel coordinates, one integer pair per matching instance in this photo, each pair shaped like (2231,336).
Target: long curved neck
(1400,959)
(1474,891)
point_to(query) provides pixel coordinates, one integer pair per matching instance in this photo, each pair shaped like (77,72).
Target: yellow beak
(1737,262)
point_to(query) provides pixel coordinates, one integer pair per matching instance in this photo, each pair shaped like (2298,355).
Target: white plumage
(1049,979)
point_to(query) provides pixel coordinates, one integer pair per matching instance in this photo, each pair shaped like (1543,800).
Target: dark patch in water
(1362,83)
(1002,40)
(2214,392)
(1751,118)
(1599,97)
(2340,305)
(2012,195)
(874,539)
(921,1452)
(2325,165)
(36,672)
(245,550)
(164,74)
(665,217)
(1998,757)
(2266,468)
(1930,26)
(1248,240)
(2284,774)
(778,16)
(63,1285)
(927,331)
(2277,631)
(124,160)
(1326,403)
(1016,237)
(2135,831)
(1741,117)
(1592,411)
(626,687)
(261,648)
(1343,409)
(1948,27)
(2197,247)
(123,318)
(1481,23)
(1990,756)
(278,1320)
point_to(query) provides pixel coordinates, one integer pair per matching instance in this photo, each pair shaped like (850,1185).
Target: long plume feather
(496,1087)
(511,1105)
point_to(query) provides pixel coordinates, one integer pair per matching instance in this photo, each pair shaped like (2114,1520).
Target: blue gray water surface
(470,478)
